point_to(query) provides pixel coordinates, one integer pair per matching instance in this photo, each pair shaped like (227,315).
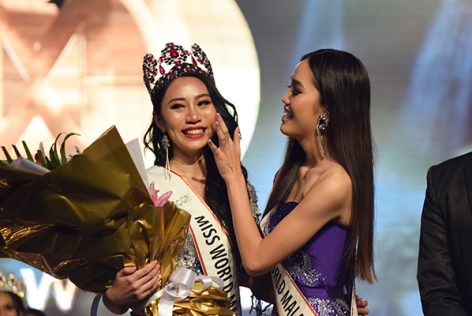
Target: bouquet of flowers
(86,217)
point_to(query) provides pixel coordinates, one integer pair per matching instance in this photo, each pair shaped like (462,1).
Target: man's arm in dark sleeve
(436,276)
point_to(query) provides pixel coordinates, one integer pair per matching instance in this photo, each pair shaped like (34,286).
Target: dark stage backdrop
(77,68)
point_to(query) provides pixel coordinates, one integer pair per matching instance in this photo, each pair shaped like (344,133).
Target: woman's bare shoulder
(332,185)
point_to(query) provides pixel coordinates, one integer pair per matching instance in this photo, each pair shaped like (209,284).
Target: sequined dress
(317,267)
(189,258)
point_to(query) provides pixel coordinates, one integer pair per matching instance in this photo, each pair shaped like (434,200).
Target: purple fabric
(317,267)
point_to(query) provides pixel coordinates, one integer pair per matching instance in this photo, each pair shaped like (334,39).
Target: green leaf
(17,152)
(53,156)
(49,163)
(63,147)
(42,159)
(52,163)
(7,155)
(27,151)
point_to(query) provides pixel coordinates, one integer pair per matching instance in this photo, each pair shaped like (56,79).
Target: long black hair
(344,87)
(216,195)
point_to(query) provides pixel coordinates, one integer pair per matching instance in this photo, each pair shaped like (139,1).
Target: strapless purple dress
(317,267)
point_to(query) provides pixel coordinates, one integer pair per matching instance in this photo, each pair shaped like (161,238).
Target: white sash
(289,298)
(210,237)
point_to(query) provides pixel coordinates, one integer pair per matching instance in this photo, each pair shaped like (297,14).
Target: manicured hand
(228,153)
(131,286)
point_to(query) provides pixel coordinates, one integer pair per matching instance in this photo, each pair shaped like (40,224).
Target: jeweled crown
(10,283)
(174,62)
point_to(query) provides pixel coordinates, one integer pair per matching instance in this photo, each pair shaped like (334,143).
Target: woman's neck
(192,170)
(312,152)
(190,165)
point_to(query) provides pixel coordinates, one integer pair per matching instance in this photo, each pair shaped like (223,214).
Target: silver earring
(321,128)
(166,145)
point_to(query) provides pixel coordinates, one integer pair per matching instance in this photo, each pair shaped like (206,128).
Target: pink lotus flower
(158,200)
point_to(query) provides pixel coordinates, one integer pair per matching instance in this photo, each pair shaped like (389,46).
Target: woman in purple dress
(318,228)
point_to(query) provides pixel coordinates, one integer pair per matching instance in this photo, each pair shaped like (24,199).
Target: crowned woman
(185,102)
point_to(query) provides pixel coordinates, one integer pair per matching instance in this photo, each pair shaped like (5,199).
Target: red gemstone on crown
(173,52)
(161,70)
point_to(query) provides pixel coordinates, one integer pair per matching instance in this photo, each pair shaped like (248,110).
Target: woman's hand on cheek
(228,153)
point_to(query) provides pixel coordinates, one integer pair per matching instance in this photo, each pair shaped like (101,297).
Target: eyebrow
(297,83)
(183,99)
(175,99)
(202,95)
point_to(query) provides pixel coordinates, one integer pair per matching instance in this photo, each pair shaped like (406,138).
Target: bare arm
(324,201)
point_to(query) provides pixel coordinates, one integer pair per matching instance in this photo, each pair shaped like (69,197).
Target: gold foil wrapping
(208,302)
(91,216)
(88,218)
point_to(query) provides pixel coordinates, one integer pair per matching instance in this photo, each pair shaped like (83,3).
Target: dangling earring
(321,128)
(166,145)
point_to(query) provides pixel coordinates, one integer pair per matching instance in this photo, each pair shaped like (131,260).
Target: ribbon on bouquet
(182,283)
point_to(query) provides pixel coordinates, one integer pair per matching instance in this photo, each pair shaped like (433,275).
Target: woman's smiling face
(302,105)
(187,116)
